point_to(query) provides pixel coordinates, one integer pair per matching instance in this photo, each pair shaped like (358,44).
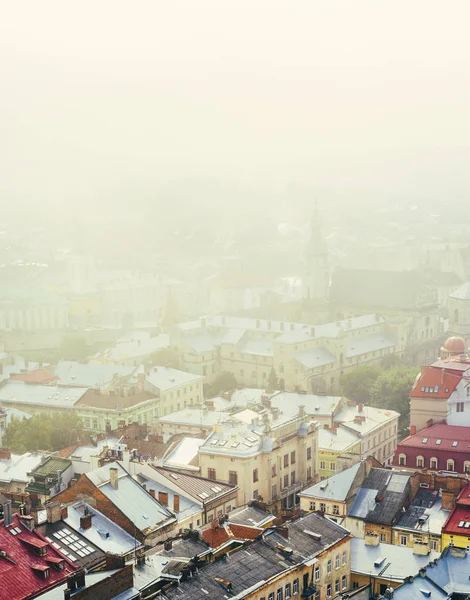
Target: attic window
(422,389)
(438,442)
(42,571)
(436,389)
(425,440)
(455,444)
(447,389)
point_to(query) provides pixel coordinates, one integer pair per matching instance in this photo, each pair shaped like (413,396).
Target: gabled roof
(436,383)
(20,568)
(439,437)
(463,293)
(51,466)
(200,488)
(337,487)
(92,375)
(251,516)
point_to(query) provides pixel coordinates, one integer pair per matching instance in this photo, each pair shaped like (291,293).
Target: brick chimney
(284,531)
(360,408)
(5,454)
(448,500)
(176,503)
(113,477)
(163,498)
(151,491)
(412,429)
(53,512)
(86,520)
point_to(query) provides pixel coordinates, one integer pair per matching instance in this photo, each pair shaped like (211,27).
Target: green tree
(392,390)
(224,382)
(43,432)
(356,385)
(273,382)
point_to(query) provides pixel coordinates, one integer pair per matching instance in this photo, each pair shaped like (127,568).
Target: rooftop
(99,399)
(130,498)
(166,378)
(134,346)
(52,396)
(424,514)
(51,466)
(372,418)
(393,563)
(337,487)
(22,570)
(440,437)
(462,293)
(184,454)
(187,507)
(217,535)
(252,516)
(89,374)
(18,467)
(201,489)
(436,382)
(338,441)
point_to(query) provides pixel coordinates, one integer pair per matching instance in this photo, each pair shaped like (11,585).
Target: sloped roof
(336,487)
(216,536)
(50,466)
(436,382)
(448,434)
(19,579)
(199,488)
(463,293)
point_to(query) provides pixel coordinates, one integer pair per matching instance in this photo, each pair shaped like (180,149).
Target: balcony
(309,591)
(292,489)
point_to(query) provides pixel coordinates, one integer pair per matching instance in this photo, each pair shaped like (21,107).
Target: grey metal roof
(392,562)
(103,533)
(93,375)
(166,378)
(450,573)
(70,542)
(184,548)
(251,516)
(418,589)
(53,396)
(363,503)
(336,487)
(132,500)
(200,488)
(315,357)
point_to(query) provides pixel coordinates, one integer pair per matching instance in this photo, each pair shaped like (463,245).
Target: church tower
(316,279)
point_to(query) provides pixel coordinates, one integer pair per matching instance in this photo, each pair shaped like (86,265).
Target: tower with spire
(316,278)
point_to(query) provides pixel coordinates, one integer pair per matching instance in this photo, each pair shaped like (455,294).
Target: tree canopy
(166,357)
(224,382)
(356,385)
(43,432)
(73,348)
(273,382)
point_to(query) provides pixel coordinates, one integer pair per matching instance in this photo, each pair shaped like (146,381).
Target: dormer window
(42,571)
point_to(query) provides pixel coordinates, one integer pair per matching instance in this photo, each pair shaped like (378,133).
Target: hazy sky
(103,96)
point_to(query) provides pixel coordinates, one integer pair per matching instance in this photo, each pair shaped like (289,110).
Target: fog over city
(234,300)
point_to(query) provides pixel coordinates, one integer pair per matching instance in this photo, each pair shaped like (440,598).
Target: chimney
(28,522)
(448,500)
(360,408)
(7,514)
(53,512)
(302,412)
(5,454)
(284,531)
(176,503)
(163,498)
(429,422)
(65,512)
(168,545)
(371,539)
(113,477)
(151,491)
(412,429)
(86,520)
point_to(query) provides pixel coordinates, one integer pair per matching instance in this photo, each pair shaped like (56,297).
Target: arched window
(402,460)
(434,463)
(420,461)
(466,466)
(450,465)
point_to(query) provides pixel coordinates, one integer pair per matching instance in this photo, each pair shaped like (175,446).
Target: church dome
(454,345)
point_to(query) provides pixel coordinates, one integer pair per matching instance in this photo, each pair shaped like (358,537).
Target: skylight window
(436,389)
(425,440)
(422,389)
(235,444)
(461,524)
(455,444)
(438,442)
(214,442)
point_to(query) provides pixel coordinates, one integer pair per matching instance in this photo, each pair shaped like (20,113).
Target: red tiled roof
(448,434)
(460,515)
(19,570)
(39,376)
(436,383)
(217,536)
(464,497)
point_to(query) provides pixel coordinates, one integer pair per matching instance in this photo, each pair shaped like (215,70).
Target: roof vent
(315,536)
(380,561)
(323,486)
(425,592)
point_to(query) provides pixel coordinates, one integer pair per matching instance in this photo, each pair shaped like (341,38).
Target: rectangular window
(403,540)
(312,506)
(383,537)
(233,477)
(292,478)
(328,567)
(309,473)
(328,590)
(337,586)
(344,582)
(460,406)
(287,591)
(337,562)
(317,573)
(335,509)
(333,466)
(255,475)
(322,464)
(279,594)
(271,596)
(292,458)
(286,460)
(295,586)
(309,453)
(322,507)
(345,558)
(286,481)
(273,471)
(211,473)
(434,545)
(273,491)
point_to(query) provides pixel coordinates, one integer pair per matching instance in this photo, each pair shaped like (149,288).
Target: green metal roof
(50,467)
